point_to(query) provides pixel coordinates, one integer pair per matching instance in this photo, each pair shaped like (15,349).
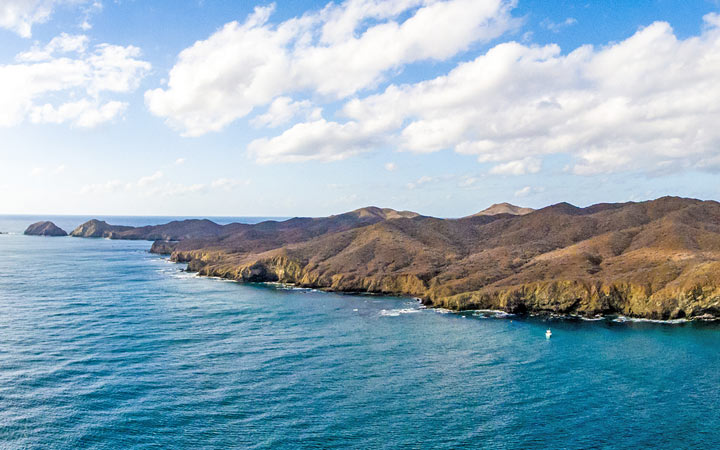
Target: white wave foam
(622,319)
(397,312)
(495,313)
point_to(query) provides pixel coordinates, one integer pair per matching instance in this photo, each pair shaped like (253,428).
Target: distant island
(46,228)
(657,259)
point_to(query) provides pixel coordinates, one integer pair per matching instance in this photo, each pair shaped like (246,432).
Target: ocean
(104,345)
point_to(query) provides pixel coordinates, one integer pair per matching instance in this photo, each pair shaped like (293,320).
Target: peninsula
(657,259)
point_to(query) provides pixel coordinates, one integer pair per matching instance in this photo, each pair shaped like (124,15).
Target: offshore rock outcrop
(45,228)
(97,229)
(658,259)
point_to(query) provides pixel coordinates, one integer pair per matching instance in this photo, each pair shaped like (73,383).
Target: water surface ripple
(106,346)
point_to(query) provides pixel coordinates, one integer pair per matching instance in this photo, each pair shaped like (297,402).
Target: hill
(44,229)
(658,259)
(504,208)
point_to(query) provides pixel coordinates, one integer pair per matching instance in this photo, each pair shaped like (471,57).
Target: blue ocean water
(103,345)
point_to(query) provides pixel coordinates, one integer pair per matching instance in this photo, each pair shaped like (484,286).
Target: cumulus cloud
(422,181)
(333,53)
(19,16)
(557,27)
(149,180)
(518,167)
(319,140)
(65,81)
(647,103)
(527,190)
(284,109)
(524,192)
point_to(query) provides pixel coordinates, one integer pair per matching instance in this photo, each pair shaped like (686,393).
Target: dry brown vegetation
(656,259)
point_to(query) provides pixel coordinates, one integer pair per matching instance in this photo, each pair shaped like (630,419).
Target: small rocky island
(657,259)
(45,228)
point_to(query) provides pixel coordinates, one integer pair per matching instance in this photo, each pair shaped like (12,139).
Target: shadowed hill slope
(658,259)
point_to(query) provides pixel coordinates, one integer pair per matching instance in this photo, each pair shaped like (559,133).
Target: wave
(622,319)
(492,313)
(592,319)
(398,312)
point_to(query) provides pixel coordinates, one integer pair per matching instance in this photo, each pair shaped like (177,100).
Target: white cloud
(517,167)
(228,184)
(156,185)
(83,113)
(42,171)
(19,16)
(65,82)
(319,140)
(390,167)
(334,52)
(527,190)
(150,179)
(179,161)
(148,186)
(646,103)
(524,192)
(468,181)
(103,188)
(557,27)
(284,109)
(176,189)
(421,181)
(64,43)
(712,20)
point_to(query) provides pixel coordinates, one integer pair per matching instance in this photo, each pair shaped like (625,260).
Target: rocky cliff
(46,228)
(658,259)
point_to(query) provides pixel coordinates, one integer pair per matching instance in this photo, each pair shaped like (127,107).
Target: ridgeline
(658,259)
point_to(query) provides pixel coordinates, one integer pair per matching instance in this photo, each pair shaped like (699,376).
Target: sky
(444,107)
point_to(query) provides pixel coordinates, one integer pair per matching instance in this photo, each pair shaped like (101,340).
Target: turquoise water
(103,345)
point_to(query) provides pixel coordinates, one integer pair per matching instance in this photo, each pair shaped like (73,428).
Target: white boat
(548,333)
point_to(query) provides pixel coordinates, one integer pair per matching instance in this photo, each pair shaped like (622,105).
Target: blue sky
(312,108)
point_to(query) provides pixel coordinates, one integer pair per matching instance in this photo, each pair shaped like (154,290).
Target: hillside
(46,228)
(658,259)
(504,208)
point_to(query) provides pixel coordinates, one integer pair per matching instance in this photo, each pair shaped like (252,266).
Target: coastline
(653,260)
(425,304)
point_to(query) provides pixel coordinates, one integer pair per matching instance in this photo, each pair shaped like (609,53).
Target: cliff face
(657,259)
(45,229)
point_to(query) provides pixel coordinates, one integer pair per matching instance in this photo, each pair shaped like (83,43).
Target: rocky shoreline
(565,299)
(503,313)
(654,260)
